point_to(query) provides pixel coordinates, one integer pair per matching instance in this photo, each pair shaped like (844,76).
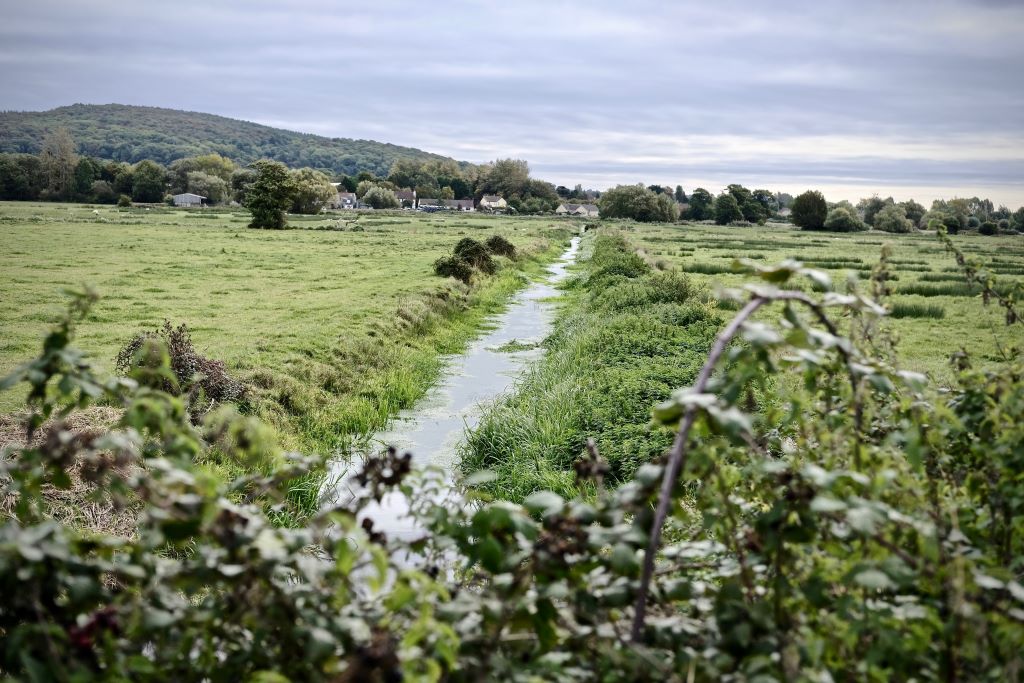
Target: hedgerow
(857,524)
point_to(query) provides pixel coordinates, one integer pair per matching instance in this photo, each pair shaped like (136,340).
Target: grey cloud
(558,80)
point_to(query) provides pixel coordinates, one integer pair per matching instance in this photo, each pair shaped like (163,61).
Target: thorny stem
(678,453)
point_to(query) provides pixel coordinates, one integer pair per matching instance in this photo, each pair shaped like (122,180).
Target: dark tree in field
(1017,221)
(727,209)
(701,205)
(149,182)
(269,195)
(810,210)
(680,195)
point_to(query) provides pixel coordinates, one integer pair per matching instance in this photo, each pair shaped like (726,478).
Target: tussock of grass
(940,289)
(626,339)
(916,310)
(706,268)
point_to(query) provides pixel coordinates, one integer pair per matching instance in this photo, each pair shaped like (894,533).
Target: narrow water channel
(433,429)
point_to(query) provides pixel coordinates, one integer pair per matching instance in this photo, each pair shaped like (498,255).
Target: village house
(583,210)
(188,199)
(346,200)
(459,204)
(406,198)
(493,202)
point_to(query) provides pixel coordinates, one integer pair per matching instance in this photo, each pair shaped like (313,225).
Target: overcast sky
(919,98)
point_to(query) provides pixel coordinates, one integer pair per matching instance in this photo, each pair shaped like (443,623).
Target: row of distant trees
(59,173)
(810,210)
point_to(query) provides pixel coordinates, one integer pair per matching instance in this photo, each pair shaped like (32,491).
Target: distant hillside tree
(701,205)
(149,182)
(269,195)
(312,191)
(810,210)
(59,159)
(381,198)
(727,209)
(639,203)
(892,218)
(1017,219)
(679,195)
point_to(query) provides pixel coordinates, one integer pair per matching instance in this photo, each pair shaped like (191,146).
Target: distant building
(584,210)
(188,199)
(459,204)
(429,203)
(493,202)
(345,200)
(406,198)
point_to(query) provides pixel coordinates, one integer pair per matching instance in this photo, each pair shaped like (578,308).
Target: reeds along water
(434,427)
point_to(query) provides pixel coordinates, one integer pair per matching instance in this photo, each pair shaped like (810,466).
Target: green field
(334,328)
(639,320)
(929,326)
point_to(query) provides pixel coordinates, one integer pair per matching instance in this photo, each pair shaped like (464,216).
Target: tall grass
(916,310)
(627,337)
(940,289)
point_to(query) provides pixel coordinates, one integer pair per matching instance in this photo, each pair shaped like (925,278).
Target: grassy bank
(334,327)
(626,337)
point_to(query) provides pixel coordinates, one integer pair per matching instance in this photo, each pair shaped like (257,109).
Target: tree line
(60,173)
(738,205)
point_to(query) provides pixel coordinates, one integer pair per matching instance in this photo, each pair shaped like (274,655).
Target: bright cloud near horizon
(915,98)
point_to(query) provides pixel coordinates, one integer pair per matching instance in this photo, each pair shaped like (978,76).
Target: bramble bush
(855,524)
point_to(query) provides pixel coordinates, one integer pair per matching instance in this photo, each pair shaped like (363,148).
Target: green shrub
(475,254)
(841,220)
(124,201)
(496,244)
(988,228)
(454,266)
(893,218)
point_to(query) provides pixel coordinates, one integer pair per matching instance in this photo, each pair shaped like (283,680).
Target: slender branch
(677,459)
(678,453)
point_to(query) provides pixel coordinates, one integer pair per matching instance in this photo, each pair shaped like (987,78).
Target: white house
(459,204)
(493,202)
(583,210)
(188,199)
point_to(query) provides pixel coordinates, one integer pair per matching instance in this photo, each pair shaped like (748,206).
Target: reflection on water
(434,427)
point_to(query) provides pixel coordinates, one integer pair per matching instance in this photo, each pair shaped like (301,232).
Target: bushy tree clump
(475,254)
(727,209)
(988,228)
(381,198)
(892,218)
(496,244)
(454,266)
(810,210)
(639,203)
(269,195)
(841,219)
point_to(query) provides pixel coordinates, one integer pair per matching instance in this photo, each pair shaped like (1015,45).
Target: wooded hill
(130,133)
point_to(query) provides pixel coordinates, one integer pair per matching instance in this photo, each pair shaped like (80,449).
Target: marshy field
(334,325)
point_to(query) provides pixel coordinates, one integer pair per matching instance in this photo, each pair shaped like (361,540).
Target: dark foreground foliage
(857,526)
(469,255)
(203,380)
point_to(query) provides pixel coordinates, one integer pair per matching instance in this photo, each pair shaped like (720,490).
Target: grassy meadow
(640,317)
(934,312)
(335,325)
